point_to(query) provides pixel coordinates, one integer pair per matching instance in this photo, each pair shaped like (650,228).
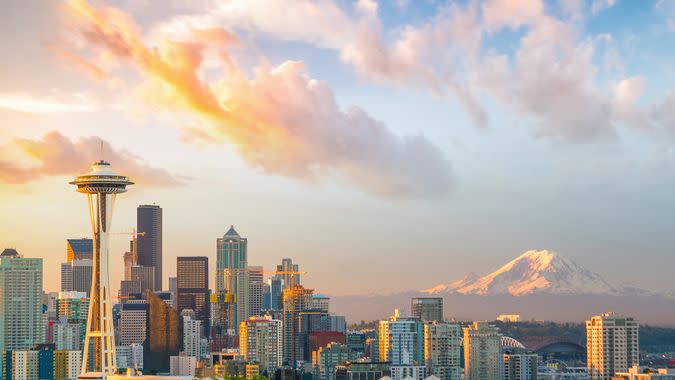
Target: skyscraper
(82,272)
(289,273)
(260,340)
(482,351)
(133,323)
(192,287)
(145,276)
(79,249)
(442,350)
(255,290)
(21,325)
(611,345)
(296,300)
(163,334)
(101,185)
(427,308)
(149,245)
(76,275)
(232,274)
(67,277)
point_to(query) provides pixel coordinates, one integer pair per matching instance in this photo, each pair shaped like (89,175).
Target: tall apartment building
(192,287)
(260,341)
(401,340)
(149,245)
(192,335)
(21,325)
(256,287)
(295,301)
(519,366)
(232,273)
(442,350)
(482,352)
(427,308)
(611,345)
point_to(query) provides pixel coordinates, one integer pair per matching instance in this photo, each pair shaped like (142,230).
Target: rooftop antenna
(100,141)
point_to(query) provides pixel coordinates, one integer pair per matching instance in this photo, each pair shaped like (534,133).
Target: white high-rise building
(21,325)
(482,352)
(401,340)
(519,366)
(611,345)
(260,340)
(133,323)
(192,334)
(442,350)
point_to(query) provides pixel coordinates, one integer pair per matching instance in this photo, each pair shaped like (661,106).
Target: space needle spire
(101,185)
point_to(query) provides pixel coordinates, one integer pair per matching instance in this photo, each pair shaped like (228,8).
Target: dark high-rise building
(427,308)
(79,249)
(145,276)
(192,286)
(163,334)
(149,245)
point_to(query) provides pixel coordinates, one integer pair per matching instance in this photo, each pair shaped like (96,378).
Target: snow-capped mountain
(532,272)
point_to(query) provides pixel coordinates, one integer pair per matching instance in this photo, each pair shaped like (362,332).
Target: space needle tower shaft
(101,185)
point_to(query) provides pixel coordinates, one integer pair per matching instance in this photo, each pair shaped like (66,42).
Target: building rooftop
(9,252)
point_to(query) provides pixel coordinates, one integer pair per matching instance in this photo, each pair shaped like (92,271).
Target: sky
(384,145)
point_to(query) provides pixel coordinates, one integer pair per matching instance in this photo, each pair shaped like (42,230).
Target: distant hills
(542,284)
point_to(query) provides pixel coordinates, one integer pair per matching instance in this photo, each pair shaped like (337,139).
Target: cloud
(278,120)
(551,80)
(56,155)
(600,5)
(411,59)
(45,104)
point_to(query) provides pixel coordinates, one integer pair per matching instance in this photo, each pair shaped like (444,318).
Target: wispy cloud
(57,155)
(550,79)
(279,120)
(45,104)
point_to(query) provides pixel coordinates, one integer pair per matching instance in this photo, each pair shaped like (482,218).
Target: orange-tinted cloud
(57,155)
(81,63)
(279,120)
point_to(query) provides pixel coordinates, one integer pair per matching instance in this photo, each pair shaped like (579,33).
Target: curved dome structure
(509,342)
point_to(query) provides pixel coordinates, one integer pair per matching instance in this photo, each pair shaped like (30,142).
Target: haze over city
(385,146)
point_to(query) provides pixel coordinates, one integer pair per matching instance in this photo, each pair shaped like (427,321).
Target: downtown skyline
(486,186)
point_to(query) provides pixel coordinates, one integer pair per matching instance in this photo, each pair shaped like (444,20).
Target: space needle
(101,185)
